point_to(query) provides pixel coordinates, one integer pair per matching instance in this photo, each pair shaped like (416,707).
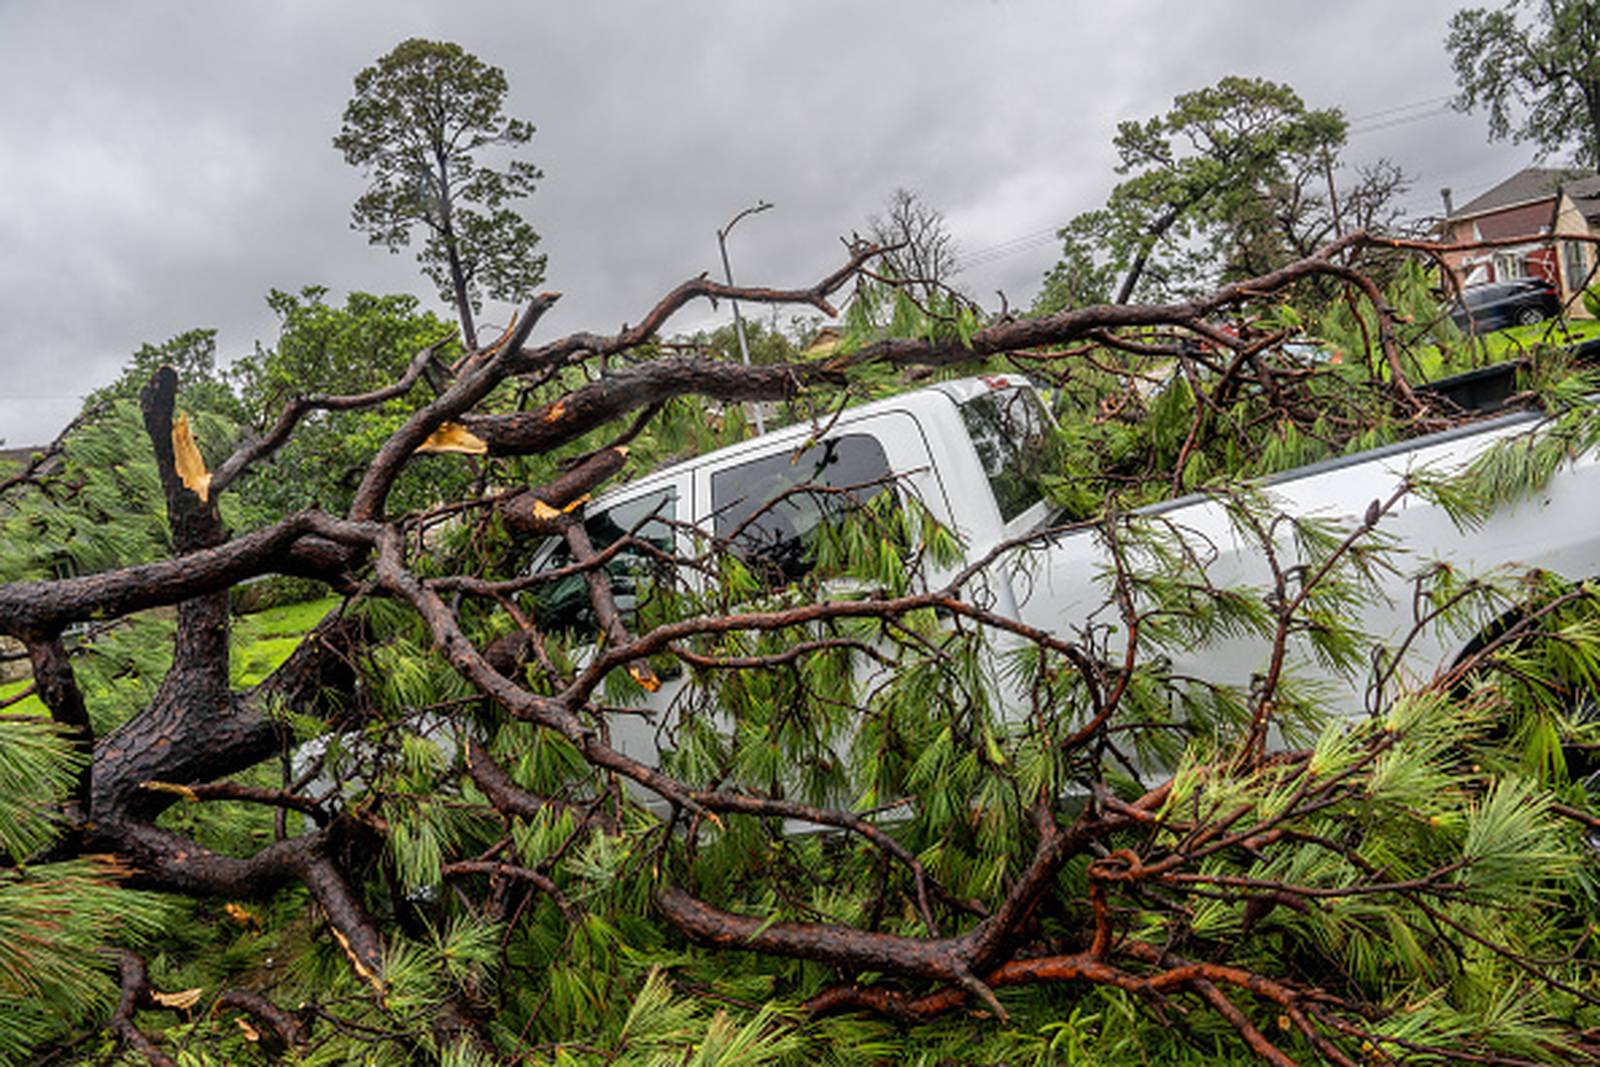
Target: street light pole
(738,320)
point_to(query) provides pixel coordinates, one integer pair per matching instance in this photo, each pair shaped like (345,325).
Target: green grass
(285,620)
(264,640)
(29,706)
(1511,343)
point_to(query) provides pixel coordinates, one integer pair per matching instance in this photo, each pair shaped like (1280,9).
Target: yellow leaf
(242,915)
(183,1001)
(453,437)
(186,457)
(250,1032)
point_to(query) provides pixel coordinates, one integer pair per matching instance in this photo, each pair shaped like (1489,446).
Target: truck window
(1012,435)
(778,540)
(564,605)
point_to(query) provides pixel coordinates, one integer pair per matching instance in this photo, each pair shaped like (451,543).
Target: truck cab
(971,452)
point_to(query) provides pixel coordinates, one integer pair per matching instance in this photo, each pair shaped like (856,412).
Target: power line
(1356,131)
(1010,247)
(1355,119)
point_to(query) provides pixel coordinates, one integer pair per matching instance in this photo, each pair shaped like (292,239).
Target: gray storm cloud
(163,165)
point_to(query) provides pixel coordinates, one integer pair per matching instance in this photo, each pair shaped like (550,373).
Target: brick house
(1538,203)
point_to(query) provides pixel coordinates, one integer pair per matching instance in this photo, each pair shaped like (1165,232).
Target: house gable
(1527,211)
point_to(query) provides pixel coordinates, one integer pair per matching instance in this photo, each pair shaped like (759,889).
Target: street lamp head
(760,206)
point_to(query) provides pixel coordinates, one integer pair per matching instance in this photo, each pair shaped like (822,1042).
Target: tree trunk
(458,275)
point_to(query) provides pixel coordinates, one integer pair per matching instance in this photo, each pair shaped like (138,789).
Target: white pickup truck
(971,451)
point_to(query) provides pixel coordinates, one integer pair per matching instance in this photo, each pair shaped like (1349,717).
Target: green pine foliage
(57,919)
(56,922)
(1439,866)
(37,769)
(103,506)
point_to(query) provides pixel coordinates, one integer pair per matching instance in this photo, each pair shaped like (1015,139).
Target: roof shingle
(1530,183)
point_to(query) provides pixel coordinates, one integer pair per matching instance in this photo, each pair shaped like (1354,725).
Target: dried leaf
(242,915)
(183,1000)
(453,437)
(556,412)
(186,458)
(250,1032)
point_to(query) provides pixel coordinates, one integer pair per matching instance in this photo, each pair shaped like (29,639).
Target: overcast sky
(163,165)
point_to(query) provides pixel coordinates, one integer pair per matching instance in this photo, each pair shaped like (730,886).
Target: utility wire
(1357,131)
(1356,120)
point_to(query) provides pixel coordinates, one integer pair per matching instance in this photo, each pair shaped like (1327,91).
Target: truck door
(767,505)
(655,511)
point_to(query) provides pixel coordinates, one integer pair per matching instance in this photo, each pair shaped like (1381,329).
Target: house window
(1574,266)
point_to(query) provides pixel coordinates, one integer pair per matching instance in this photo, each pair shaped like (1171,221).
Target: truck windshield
(1012,435)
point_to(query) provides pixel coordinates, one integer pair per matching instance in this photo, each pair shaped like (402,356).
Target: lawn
(1502,345)
(265,639)
(261,642)
(27,706)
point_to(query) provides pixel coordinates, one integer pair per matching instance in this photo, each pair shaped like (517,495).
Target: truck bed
(1553,529)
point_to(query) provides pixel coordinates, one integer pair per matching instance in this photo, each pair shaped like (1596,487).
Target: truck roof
(938,394)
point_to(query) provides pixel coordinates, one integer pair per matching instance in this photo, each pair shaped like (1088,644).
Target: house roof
(1526,186)
(1585,193)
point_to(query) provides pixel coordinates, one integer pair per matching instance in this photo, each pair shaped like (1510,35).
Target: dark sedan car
(1496,305)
